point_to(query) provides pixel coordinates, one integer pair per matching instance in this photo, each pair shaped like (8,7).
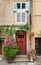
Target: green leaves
(6,31)
(12,30)
(10,50)
(24,27)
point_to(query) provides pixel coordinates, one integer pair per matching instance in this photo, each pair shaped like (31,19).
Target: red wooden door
(21,41)
(0,48)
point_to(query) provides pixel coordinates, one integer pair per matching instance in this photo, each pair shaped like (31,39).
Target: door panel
(21,41)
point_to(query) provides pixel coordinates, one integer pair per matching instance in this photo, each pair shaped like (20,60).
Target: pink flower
(7,42)
(13,43)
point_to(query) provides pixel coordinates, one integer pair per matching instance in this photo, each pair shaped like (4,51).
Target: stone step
(20,59)
(1,57)
(21,56)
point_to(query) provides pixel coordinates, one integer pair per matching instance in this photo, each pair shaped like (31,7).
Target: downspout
(29,15)
(30,21)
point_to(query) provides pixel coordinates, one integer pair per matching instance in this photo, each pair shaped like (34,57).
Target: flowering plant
(10,49)
(9,42)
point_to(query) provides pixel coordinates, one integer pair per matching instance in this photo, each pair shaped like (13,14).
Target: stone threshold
(1,57)
(21,58)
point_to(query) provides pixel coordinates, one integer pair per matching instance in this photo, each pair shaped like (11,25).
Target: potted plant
(10,49)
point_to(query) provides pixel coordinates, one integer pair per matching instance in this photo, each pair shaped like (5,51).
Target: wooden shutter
(14,6)
(27,5)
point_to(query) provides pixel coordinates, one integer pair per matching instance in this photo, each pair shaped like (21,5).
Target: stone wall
(7,16)
(36,20)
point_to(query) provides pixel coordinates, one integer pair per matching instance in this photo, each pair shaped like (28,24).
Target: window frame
(27,6)
(21,5)
(20,23)
(21,10)
(17,5)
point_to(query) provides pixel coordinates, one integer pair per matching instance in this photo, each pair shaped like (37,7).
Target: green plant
(10,51)
(24,27)
(11,31)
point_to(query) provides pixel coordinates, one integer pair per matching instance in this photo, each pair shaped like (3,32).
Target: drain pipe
(29,16)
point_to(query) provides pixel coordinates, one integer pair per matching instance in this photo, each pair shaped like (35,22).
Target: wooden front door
(21,41)
(0,48)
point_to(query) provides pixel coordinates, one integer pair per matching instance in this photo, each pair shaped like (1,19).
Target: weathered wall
(7,16)
(6,10)
(36,20)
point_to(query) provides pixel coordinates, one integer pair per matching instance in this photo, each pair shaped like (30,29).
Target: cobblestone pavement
(20,63)
(37,62)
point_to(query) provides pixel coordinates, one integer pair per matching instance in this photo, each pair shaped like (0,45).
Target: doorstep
(1,57)
(21,58)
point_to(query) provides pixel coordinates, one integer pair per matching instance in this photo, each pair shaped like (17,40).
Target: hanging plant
(31,34)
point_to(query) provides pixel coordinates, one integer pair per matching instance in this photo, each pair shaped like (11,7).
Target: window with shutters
(21,12)
(21,6)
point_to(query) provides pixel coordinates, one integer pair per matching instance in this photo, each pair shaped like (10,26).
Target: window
(21,13)
(18,17)
(23,5)
(18,5)
(20,36)
(21,16)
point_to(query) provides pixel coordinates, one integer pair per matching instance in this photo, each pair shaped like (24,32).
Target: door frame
(1,47)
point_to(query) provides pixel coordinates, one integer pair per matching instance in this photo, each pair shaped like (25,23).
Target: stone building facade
(7,17)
